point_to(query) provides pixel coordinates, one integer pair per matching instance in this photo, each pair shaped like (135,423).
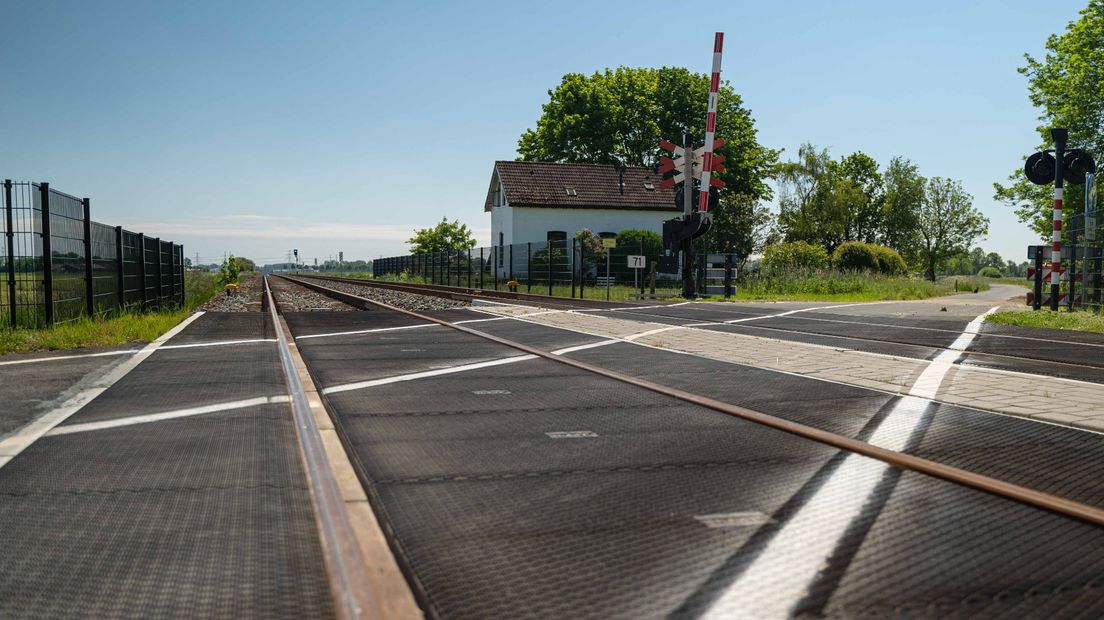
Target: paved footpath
(178,491)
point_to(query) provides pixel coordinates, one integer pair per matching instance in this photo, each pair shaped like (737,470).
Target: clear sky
(256,127)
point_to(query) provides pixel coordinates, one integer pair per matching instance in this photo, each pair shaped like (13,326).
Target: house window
(557,239)
(498,195)
(501,239)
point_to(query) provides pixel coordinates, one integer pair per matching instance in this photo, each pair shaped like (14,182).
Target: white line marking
(496,318)
(368,331)
(166,415)
(650,332)
(772,316)
(68,357)
(11,446)
(582,347)
(927,384)
(215,344)
(428,373)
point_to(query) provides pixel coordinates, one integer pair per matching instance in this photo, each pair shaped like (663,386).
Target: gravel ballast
(246,299)
(295,298)
(406,301)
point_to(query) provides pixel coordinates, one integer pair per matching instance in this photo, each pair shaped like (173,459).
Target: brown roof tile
(543,184)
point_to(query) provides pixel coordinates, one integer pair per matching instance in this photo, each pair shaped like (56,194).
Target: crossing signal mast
(685,164)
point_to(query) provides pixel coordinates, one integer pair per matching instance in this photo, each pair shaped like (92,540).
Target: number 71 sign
(637,262)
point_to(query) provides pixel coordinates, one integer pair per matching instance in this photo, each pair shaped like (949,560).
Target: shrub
(858,256)
(990,272)
(890,261)
(855,256)
(794,255)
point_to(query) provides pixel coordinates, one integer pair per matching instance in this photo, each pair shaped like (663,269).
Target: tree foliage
(618,116)
(228,272)
(741,224)
(445,236)
(1067,85)
(947,223)
(789,255)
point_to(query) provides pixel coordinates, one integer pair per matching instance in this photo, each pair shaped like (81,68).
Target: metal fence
(562,268)
(60,265)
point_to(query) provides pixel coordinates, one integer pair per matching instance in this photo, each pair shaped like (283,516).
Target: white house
(540,201)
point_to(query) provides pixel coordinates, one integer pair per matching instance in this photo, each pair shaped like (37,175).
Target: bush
(855,256)
(890,261)
(990,272)
(794,255)
(858,256)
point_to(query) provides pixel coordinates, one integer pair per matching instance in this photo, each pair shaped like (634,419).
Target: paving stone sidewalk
(1038,397)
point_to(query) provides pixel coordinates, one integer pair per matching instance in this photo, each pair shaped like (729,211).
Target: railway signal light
(1078,164)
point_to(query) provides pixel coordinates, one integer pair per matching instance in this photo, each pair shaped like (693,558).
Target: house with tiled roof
(542,201)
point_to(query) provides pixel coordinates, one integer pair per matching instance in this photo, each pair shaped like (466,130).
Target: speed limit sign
(637,262)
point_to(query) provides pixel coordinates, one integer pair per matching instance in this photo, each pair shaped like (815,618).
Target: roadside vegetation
(113,329)
(1074,321)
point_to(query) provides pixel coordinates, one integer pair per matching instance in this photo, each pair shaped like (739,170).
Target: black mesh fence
(59,265)
(558,267)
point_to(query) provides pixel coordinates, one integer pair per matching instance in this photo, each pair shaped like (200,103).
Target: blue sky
(256,127)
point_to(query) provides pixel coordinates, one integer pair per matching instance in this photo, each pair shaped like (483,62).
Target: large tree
(947,223)
(827,202)
(901,201)
(1067,85)
(741,225)
(445,236)
(618,116)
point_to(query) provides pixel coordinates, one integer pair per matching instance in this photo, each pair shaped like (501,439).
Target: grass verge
(116,329)
(1073,321)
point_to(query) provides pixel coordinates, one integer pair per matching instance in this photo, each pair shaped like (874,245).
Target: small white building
(539,201)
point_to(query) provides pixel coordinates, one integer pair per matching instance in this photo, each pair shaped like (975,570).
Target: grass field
(791,286)
(1075,321)
(101,331)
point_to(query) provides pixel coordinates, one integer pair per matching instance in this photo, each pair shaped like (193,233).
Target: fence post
(511,257)
(47,256)
(11,248)
(160,287)
(172,272)
(640,273)
(528,266)
(571,265)
(120,281)
(469,269)
(89,296)
(582,268)
(142,268)
(549,268)
(459,255)
(482,267)
(181,250)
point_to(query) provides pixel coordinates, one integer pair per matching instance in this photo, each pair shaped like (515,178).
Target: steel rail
(1077,510)
(354,593)
(630,311)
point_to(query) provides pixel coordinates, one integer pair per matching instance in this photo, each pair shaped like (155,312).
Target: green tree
(901,201)
(947,222)
(445,236)
(618,116)
(741,224)
(1066,85)
(228,273)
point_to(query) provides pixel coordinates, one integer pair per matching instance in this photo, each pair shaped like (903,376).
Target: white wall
(529,224)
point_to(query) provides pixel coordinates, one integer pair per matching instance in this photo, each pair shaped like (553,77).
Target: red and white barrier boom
(711,121)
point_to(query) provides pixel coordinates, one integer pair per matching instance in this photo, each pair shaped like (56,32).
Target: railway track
(1037,364)
(877,446)
(1077,510)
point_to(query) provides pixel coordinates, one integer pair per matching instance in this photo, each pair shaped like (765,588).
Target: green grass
(115,329)
(800,285)
(1074,321)
(805,285)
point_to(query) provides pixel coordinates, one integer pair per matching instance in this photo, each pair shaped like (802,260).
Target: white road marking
(368,331)
(792,560)
(496,318)
(68,357)
(571,434)
(360,385)
(780,314)
(166,415)
(216,344)
(927,384)
(658,330)
(11,446)
(582,347)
